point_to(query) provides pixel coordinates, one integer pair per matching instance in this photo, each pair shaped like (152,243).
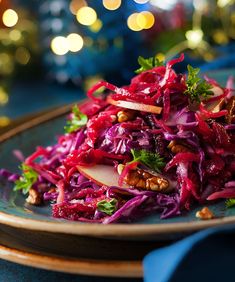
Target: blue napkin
(205,256)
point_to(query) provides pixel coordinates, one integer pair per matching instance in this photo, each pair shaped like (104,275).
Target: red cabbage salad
(157,146)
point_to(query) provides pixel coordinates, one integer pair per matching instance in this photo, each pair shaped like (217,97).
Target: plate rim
(79,266)
(116,230)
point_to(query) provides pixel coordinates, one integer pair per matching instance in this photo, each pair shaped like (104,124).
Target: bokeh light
(22,56)
(112,4)
(194,37)
(149,19)
(3,96)
(75,42)
(10,18)
(75,5)
(96,26)
(15,35)
(132,22)
(59,45)
(141,1)
(86,16)
(4,121)
(223,3)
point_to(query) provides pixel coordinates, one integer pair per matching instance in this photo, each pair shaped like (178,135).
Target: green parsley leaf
(148,64)
(27,179)
(152,160)
(108,207)
(78,120)
(230,203)
(197,88)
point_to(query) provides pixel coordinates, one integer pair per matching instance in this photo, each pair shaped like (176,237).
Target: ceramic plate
(14,212)
(75,266)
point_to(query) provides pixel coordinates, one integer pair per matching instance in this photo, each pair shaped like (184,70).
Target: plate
(74,266)
(15,213)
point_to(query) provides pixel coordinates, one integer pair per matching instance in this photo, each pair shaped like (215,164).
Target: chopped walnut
(205,213)
(142,179)
(176,147)
(125,115)
(230,107)
(34,197)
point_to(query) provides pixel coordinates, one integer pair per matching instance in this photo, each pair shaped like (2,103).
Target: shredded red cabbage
(202,171)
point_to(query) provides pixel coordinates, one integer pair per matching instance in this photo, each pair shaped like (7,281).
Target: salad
(158,145)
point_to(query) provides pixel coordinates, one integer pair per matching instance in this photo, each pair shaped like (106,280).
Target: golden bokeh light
(59,45)
(220,37)
(4,121)
(112,4)
(75,42)
(194,37)
(141,21)
(96,26)
(132,22)
(15,35)
(10,18)
(22,56)
(3,96)
(75,5)
(149,19)
(86,16)
(88,41)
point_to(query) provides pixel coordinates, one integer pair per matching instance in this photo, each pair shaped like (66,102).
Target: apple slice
(216,106)
(135,106)
(101,175)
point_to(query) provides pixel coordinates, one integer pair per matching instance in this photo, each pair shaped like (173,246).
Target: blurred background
(52,51)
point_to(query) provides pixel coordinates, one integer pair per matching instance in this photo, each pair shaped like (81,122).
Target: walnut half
(34,197)
(205,214)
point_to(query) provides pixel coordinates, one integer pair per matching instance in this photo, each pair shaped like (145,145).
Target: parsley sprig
(152,160)
(108,207)
(27,179)
(78,120)
(230,203)
(197,88)
(148,64)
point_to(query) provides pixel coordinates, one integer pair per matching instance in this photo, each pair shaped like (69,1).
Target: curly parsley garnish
(197,88)
(27,179)
(108,207)
(148,64)
(152,160)
(78,120)
(230,203)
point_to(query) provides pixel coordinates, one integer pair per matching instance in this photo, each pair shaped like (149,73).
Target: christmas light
(163,4)
(86,16)
(15,35)
(10,18)
(22,55)
(3,96)
(132,22)
(149,19)
(59,45)
(141,1)
(75,5)
(194,37)
(75,42)
(112,4)
(223,3)
(141,21)
(96,26)
(4,121)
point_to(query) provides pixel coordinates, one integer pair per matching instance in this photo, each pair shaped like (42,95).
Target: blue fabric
(205,256)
